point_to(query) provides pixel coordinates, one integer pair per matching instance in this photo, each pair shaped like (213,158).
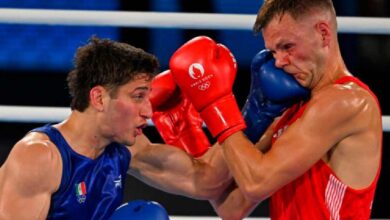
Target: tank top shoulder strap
(346,79)
(63,147)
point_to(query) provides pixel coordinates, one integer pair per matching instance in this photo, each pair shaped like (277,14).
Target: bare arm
(264,144)
(328,120)
(232,204)
(173,170)
(28,177)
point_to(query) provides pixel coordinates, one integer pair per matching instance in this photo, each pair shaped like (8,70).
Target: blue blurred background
(34,61)
(48,48)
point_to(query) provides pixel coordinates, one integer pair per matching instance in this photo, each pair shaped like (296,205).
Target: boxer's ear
(324,30)
(96,97)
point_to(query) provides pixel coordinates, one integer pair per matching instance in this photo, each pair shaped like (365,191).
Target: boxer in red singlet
(321,159)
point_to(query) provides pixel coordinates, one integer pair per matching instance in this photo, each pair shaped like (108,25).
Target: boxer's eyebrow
(141,88)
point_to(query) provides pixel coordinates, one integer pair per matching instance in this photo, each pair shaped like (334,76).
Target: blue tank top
(89,189)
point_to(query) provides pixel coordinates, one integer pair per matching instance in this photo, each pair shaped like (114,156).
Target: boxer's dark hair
(296,8)
(109,64)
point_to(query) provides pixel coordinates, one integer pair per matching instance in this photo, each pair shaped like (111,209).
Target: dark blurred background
(34,61)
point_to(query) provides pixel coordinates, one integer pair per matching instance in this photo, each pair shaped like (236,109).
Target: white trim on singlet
(334,195)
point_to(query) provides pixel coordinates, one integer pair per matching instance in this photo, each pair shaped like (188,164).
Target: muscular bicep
(29,176)
(325,122)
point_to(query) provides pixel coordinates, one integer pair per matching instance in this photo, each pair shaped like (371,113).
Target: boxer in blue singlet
(76,169)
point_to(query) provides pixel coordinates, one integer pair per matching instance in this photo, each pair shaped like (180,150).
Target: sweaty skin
(341,124)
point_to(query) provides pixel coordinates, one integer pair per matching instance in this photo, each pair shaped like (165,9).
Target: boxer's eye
(287,46)
(139,96)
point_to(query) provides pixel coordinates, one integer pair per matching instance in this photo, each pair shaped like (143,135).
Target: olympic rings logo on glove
(204,86)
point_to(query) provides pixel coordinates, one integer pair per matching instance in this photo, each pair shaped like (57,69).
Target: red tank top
(318,193)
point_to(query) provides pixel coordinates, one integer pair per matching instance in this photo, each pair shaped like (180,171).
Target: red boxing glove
(205,72)
(176,119)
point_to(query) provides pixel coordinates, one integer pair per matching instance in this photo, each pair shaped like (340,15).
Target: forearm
(245,164)
(232,204)
(172,170)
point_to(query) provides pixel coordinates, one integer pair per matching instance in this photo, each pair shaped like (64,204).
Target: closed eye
(288,46)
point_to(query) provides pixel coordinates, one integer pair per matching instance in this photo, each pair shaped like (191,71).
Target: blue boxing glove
(140,209)
(272,91)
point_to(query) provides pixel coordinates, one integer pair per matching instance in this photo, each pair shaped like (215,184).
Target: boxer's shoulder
(39,146)
(35,158)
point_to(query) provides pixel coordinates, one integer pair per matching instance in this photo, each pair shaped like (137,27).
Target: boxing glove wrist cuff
(223,117)
(230,131)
